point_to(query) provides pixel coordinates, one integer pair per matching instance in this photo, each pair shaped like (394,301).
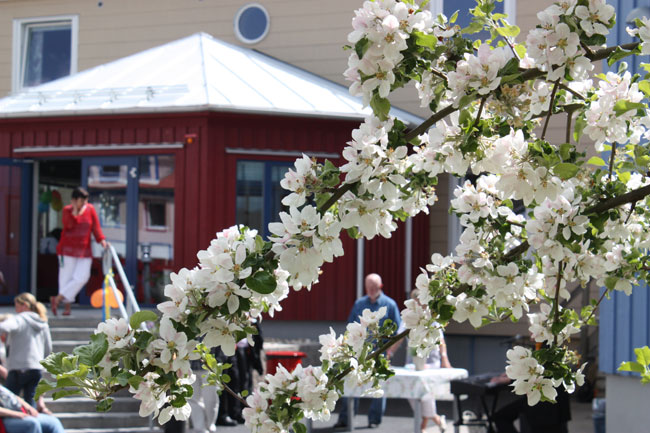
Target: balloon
(57,205)
(56,195)
(46,197)
(97,298)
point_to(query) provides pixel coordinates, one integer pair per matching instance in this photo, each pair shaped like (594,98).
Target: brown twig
(480,112)
(234,394)
(611,160)
(573,92)
(597,305)
(556,303)
(567,137)
(392,340)
(550,108)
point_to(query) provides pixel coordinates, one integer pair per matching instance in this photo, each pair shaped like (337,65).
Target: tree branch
(424,126)
(629,197)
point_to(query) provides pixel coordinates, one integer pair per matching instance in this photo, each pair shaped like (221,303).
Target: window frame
(19,44)
(238,32)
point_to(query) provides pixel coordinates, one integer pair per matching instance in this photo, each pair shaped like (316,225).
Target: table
(411,384)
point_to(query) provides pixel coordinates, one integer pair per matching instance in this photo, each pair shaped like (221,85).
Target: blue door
(15,227)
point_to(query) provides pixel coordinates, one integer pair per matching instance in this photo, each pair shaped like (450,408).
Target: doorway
(134,200)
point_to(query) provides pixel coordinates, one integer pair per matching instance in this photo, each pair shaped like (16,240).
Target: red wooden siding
(205,181)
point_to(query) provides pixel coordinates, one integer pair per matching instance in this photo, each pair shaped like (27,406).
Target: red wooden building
(175,144)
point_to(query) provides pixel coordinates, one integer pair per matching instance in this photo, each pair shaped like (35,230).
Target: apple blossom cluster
(554,46)
(528,376)
(382,28)
(313,390)
(439,152)
(607,124)
(642,31)
(477,73)
(380,171)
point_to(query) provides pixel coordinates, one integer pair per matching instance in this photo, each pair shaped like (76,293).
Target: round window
(252,23)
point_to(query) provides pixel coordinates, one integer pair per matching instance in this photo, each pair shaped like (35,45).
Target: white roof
(195,73)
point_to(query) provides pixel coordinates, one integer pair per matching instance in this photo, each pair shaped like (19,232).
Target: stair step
(111,420)
(115,430)
(71,333)
(83,404)
(67,345)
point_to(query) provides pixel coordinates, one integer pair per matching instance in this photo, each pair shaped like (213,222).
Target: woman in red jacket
(75,257)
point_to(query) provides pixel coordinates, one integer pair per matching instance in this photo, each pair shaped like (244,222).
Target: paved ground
(399,419)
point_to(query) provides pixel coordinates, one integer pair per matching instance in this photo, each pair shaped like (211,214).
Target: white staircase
(78,414)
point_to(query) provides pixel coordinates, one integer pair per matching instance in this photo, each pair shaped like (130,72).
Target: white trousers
(204,404)
(74,273)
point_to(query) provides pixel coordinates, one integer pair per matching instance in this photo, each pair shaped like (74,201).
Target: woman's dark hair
(79,192)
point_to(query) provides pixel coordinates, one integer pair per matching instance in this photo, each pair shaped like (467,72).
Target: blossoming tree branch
(491,103)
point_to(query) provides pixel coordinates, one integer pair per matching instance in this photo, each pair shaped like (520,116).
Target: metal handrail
(109,258)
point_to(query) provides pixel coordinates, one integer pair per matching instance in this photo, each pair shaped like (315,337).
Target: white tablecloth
(409,383)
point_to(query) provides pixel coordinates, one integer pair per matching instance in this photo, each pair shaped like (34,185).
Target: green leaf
(565,170)
(91,354)
(43,387)
(644,86)
(425,40)
(643,355)
(631,366)
(353,232)
(142,340)
(510,31)
(610,282)
(622,107)
(454,17)
(512,67)
(105,405)
(594,160)
(580,125)
(520,49)
(261,282)
(380,106)
(135,381)
(619,54)
(54,363)
(65,393)
(142,316)
(624,176)
(361,47)
(473,27)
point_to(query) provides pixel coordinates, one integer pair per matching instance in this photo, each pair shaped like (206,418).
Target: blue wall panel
(606,333)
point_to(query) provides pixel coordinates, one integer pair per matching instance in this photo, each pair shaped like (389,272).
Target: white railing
(109,260)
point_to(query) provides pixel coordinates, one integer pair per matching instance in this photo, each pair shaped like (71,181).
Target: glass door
(112,184)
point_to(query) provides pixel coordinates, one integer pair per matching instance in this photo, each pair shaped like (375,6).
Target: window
(157,215)
(44,49)
(252,23)
(464,18)
(259,194)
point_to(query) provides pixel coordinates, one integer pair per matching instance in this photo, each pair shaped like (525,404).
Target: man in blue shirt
(374,300)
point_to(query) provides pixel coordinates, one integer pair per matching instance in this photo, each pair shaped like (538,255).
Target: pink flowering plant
(585,218)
